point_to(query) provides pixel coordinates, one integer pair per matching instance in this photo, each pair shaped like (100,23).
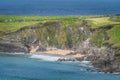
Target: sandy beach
(59,52)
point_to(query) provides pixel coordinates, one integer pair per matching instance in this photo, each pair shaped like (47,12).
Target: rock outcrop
(8,47)
(66,59)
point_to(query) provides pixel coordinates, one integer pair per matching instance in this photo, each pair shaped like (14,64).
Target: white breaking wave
(12,53)
(45,57)
(17,53)
(85,62)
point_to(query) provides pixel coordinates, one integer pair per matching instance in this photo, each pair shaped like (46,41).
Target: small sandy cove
(59,52)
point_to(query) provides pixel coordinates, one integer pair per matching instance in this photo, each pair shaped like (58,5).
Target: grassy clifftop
(58,30)
(107,31)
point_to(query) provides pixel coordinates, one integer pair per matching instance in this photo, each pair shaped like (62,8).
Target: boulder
(66,59)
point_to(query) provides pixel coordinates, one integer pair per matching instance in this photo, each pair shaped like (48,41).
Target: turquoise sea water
(59,7)
(23,67)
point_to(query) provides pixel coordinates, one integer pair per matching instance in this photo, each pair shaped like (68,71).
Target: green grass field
(13,23)
(102,22)
(13,26)
(114,35)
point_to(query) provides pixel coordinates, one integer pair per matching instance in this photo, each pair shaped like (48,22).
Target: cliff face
(79,36)
(50,33)
(8,47)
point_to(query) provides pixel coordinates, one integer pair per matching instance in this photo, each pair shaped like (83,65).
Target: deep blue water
(22,67)
(59,7)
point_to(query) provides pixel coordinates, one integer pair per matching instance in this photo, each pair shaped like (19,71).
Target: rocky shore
(78,41)
(9,47)
(70,54)
(105,62)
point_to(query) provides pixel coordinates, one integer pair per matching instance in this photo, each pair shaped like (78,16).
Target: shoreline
(62,55)
(65,54)
(53,57)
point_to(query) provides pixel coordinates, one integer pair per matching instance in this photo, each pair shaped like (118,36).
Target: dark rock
(41,48)
(108,65)
(8,47)
(80,59)
(66,59)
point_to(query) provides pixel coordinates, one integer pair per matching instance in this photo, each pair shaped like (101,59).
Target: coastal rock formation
(8,47)
(66,59)
(94,43)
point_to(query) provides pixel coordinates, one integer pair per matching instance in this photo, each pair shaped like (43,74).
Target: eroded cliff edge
(93,37)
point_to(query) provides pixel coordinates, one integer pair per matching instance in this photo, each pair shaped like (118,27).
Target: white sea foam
(85,62)
(45,57)
(11,53)
(16,53)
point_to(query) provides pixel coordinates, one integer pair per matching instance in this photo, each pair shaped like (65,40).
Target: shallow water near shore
(22,67)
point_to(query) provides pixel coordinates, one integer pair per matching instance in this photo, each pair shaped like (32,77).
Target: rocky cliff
(75,34)
(8,47)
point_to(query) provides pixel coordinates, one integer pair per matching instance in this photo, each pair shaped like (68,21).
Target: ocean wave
(45,57)
(85,62)
(11,53)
